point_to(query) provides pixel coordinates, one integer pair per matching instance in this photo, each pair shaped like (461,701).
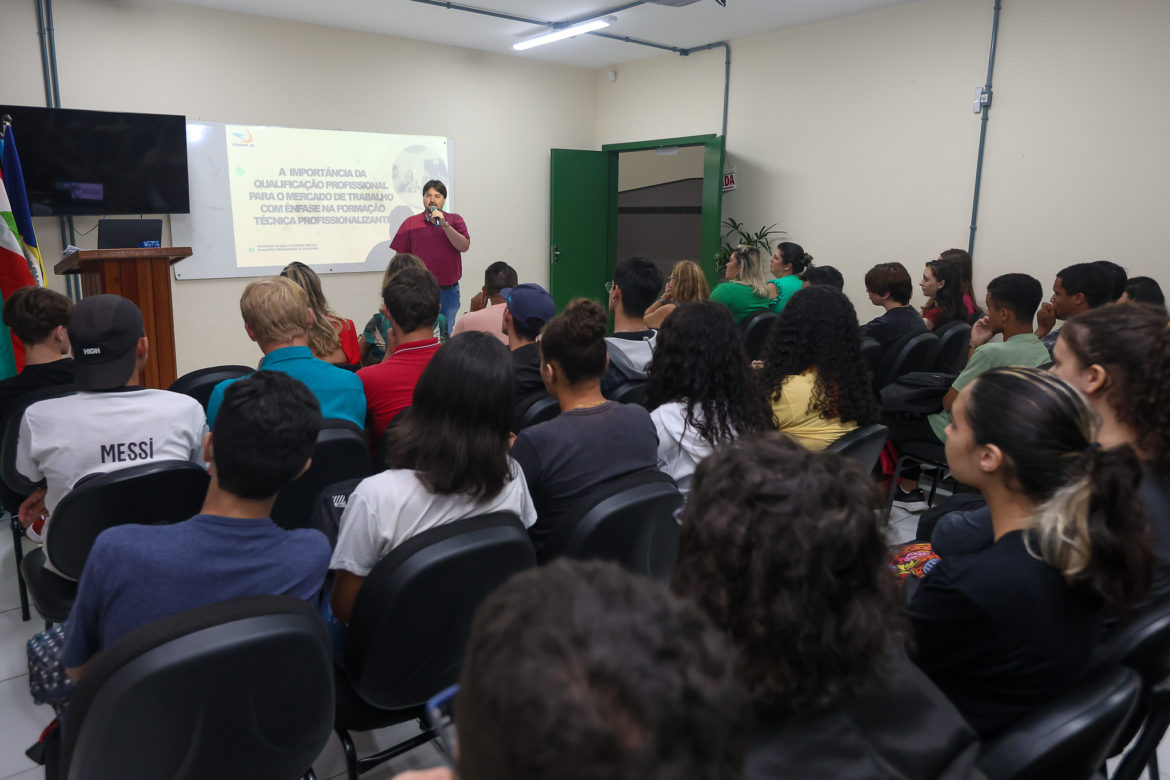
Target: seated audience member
(278,317)
(332,338)
(888,285)
(788,265)
(527,308)
(1012,299)
(136,574)
(818,383)
(1143,289)
(944,295)
(411,302)
(448,460)
(487,305)
(1119,358)
(606,673)
(825,275)
(39,317)
(111,423)
(687,284)
(785,550)
(636,282)
(1118,279)
(745,292)
(1077,289)
(377,334)
(1009,628)
(961,259)
(701,389)
(593,439)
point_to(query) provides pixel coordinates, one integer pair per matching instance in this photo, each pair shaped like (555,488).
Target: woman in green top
(787,265)
(745,292)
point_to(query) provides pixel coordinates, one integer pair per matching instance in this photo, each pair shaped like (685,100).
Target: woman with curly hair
(331,338)
(687,284)
(944,295)
(788,266)
(1007,629)
(785,550)
(745,292)
(701,391)
(813,370)
(1119,357)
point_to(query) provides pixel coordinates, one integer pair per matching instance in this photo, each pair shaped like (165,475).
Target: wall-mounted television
(101,163)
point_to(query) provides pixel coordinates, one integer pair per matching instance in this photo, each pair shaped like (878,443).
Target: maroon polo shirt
(418,237)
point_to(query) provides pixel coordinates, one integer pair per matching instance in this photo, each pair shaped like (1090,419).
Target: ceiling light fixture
(561,33)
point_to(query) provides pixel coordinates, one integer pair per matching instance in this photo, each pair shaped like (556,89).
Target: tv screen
(101,163)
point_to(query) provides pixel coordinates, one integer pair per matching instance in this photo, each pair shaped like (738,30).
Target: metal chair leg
(18,551)
(351,756)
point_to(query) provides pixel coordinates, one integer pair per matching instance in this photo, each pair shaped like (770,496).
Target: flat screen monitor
(101,163)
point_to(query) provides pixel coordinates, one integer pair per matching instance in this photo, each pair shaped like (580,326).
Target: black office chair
(1070,736)
(156,493)
(629,520)
(541,410)
(755,332)
(925,453)
(871,353)
(341,453)
(199,384)
(953,339)
(1143,644)
(238,689)
(632,392)
(411,621)
(16,487)
(863,445)
(910,353)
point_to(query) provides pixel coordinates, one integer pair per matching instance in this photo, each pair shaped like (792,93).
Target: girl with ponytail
(1010,627)
(788,265)
(1119,358)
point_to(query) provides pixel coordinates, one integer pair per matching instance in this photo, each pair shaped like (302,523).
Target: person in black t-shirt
(528,308)
(888,285)
(1009,628)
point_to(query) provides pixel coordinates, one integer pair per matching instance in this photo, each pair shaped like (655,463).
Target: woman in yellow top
(686,285)
(745,292)
(813,370)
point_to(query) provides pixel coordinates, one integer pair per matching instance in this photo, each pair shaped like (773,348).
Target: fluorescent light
(565,32)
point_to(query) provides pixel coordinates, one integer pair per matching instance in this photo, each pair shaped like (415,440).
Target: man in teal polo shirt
(277,317)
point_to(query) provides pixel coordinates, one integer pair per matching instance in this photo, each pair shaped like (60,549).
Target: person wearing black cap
(527,307)
(111,423)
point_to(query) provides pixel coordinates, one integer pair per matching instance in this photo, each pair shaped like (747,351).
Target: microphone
(430,210)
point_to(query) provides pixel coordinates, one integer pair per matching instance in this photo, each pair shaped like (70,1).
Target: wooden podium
(143,276)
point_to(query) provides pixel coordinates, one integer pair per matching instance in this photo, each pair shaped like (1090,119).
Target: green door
(582,224)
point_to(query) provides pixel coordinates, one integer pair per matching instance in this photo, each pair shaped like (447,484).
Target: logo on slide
(243,139)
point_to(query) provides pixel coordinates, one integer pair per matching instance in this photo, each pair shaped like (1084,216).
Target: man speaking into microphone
(438,239)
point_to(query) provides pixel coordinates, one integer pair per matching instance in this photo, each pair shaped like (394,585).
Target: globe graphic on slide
(415,166)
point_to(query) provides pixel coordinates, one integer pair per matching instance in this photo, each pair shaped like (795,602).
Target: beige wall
(503,113)
(856,135)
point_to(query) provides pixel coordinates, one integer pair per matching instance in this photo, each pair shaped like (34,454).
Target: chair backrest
(156,493)
(1070,736)
(863,445)
(871,353)
(913,352)
(953,340)
(632,392)
(413,614)
(629,520)
(238,689)
(1143,642)
(14,480)
(199,384)
(341,453)
(755,332)
(541,410)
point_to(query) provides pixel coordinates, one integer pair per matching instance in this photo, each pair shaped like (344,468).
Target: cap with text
(104,332)
(529,302)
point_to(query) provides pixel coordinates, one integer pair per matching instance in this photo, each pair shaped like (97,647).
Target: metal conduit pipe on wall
(985,100)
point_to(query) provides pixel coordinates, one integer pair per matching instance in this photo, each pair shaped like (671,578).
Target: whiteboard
(263,196)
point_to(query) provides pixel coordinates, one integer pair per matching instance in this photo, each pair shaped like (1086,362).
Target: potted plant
(737,234)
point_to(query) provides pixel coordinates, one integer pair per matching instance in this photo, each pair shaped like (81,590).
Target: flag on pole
(14,274)
(18,200)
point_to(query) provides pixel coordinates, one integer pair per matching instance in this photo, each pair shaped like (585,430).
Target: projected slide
(328,198)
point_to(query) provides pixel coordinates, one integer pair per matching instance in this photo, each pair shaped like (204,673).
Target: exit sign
(728,182)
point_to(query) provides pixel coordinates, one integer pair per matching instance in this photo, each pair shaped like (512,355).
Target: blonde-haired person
(278,317)
(1010,627)
(746,291)
(687,284)
(378,333)
(332,338)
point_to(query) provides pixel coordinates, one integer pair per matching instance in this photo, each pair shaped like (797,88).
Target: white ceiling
(703,22)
